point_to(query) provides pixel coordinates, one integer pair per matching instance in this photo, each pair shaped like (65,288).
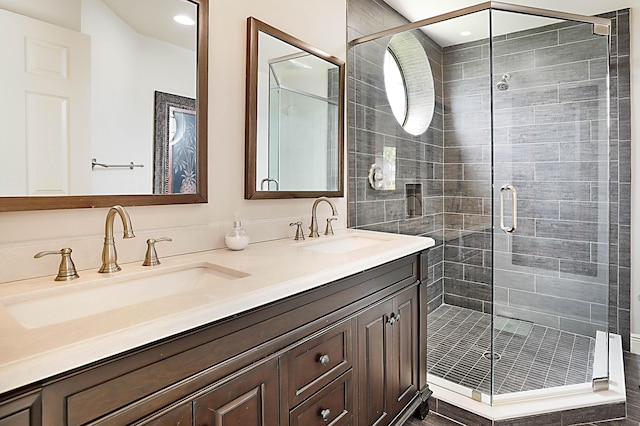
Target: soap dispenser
(237,239)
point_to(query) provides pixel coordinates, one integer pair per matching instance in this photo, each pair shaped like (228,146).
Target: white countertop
(274,270)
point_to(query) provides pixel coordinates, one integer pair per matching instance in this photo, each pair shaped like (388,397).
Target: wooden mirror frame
(24,203)
(254,27)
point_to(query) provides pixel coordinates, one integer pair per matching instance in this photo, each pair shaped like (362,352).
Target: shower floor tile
(531,356)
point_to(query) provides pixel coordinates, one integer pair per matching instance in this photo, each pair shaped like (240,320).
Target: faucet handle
(66,270)
(329,229)
(299,232)
(151,257)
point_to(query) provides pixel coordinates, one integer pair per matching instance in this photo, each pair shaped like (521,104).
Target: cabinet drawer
(332,406)
(315,363)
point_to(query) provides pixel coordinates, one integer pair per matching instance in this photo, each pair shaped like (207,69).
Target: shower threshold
(593,405)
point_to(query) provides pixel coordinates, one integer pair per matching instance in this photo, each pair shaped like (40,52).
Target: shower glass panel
(303,115)
(550,200)
(513,170)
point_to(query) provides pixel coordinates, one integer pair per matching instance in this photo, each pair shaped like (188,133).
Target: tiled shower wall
(620,179)
(457,211)
(549,136)
(372,126)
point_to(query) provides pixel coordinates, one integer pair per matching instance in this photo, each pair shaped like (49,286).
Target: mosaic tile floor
(632,382)
(530,356)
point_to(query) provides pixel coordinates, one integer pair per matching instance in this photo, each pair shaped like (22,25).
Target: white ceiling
(448,32)
(154,18)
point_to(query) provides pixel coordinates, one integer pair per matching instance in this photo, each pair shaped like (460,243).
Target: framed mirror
(104,102)
(294,134)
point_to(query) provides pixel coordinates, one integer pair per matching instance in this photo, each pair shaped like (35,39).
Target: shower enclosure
(302,95)
(511,174)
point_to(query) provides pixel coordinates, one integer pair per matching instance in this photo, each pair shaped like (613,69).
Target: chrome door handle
(514,209)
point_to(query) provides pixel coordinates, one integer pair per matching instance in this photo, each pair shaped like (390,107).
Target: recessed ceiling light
(184,20)
(465,33)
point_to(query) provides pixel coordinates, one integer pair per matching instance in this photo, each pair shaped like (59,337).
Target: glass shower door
(550,148)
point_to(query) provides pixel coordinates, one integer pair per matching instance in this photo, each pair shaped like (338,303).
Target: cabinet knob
(325,414)
(324,359)
(393,318)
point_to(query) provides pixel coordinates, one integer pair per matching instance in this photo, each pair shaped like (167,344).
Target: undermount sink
(338,245)
(74,301)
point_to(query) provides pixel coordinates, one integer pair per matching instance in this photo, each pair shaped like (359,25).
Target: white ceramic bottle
(237,239)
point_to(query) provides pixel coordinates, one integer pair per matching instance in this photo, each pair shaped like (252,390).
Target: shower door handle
(514,209)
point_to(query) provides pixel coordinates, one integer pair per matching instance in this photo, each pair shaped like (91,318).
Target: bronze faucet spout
(109,254)
(314,218)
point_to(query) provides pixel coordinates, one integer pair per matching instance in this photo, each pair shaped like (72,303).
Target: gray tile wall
(620,179)
(452,162)
(467,176)
(371,127)
(547,142)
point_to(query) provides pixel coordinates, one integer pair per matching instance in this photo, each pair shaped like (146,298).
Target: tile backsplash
(87,250)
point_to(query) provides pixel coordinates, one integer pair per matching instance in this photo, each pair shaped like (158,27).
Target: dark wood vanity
(345,353)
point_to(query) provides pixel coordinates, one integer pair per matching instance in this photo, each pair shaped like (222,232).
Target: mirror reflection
(99,97)
(295,101)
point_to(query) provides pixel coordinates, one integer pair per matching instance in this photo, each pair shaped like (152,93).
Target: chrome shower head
(502,85)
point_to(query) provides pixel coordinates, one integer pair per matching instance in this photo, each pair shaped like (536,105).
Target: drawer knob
(324,359)
(325,414)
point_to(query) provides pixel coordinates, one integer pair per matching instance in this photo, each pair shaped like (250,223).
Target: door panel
(373,348)
(45,84)
(405,348)
(250,399)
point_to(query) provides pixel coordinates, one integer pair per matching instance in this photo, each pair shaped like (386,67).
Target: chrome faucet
(109,255)
(314,218)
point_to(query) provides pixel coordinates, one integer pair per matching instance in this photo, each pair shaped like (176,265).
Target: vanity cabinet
(344,353)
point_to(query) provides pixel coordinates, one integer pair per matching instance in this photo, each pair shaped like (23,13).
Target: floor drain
(491,355)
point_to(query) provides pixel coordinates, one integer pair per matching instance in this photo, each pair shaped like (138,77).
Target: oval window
(395,87)
(409,83)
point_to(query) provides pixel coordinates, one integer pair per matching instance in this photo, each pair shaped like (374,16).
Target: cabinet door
(250,399)
(21,411)
(388,353)
(404,368)
(178,416)
(374,348)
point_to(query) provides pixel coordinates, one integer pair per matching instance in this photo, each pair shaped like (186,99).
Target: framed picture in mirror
(175,149)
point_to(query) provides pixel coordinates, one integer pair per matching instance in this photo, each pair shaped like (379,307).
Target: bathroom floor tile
(529,356)
(632,381)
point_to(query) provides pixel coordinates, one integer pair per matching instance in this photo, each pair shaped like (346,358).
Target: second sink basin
(74,301)
(337,245)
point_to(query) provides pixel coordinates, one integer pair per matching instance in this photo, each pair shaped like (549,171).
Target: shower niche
(520,103)
(413,193)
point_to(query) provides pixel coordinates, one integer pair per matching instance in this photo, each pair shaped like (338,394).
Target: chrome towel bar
(95,163)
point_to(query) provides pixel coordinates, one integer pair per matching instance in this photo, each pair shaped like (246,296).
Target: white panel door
(46,108)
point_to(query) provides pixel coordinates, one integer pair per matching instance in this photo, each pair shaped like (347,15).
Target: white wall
(64,13)
(127,68)
(193,227)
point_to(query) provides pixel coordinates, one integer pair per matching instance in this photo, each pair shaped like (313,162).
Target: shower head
(502,85)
